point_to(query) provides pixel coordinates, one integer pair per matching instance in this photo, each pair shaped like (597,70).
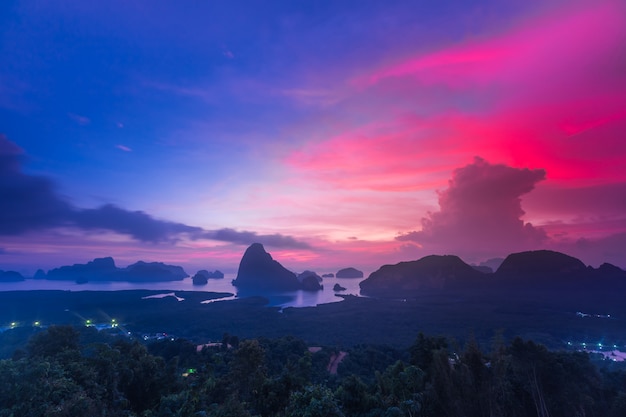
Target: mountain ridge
(528,270)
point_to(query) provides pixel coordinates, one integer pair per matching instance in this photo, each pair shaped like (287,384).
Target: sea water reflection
(281,299)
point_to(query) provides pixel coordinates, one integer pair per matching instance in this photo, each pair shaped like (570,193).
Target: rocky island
(349,273)
(203,276)
(10,276)
(310,281)
(104,269)
(258,271)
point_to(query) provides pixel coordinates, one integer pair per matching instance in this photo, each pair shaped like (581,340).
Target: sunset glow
(335,136)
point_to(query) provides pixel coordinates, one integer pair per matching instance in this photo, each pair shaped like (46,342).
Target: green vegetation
(68,371)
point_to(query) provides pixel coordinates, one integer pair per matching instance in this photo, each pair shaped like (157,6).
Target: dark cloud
(142,226)
(137,224)
(31,203)
(247,238)
(27,202)
(480,212)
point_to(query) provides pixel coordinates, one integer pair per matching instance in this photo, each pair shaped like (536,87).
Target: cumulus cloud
(31,203)
(480,212)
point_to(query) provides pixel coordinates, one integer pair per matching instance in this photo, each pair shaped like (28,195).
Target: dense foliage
(64,372)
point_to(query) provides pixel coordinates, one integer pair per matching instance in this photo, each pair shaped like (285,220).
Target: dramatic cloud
(547,90)
(323,131)
(31,203)
(480,212)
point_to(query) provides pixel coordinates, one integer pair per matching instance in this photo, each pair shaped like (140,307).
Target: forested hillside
(66,371)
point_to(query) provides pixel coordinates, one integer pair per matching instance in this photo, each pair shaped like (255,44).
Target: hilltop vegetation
(66,372)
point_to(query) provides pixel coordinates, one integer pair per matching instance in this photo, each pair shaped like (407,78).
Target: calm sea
(283,299)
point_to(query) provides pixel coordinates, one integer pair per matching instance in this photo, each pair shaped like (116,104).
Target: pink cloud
(579,40)
(533,136)
(523,93)
(382,157)
(480,213)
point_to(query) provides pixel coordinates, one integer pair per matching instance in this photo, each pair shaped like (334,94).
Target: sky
(336,133)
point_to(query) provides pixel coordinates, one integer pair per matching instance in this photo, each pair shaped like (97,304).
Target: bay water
(282,299)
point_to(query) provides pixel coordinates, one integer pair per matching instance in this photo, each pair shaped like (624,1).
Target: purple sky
(335,133)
